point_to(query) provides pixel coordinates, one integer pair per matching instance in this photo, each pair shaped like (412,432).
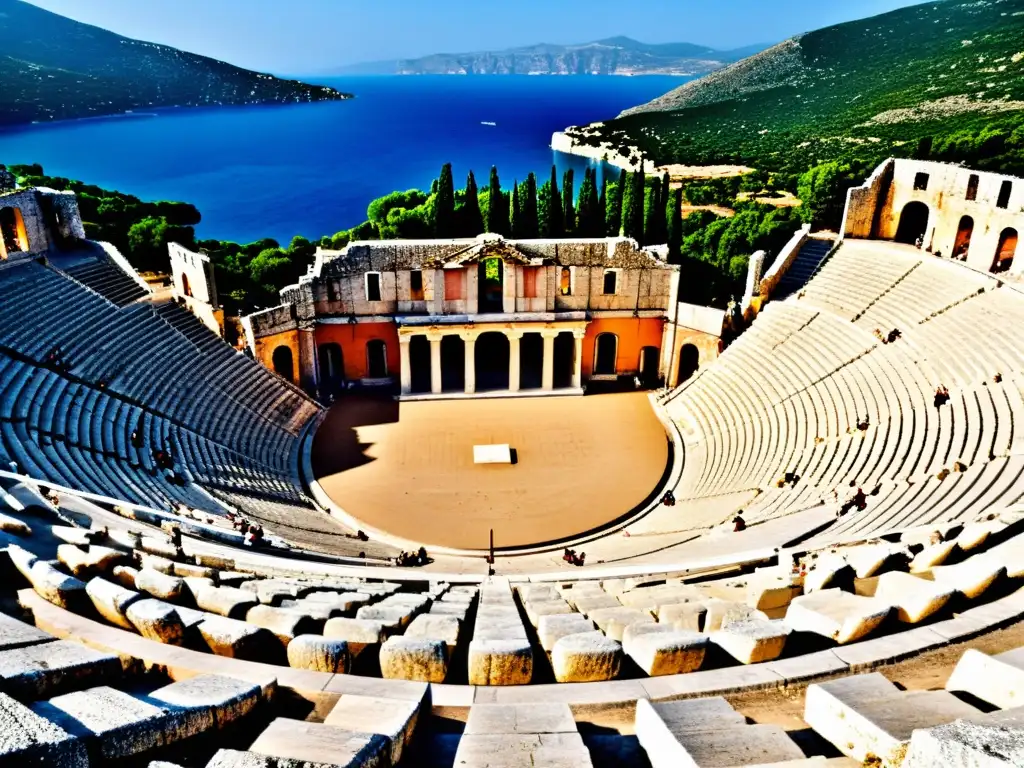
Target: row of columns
(514,335)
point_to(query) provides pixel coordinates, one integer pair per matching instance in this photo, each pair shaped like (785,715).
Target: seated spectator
(791,478)
(863,425)
(860,500)
(997,378)
(669,499)
(941,396)
(894,334)
(421,556)
(738,524)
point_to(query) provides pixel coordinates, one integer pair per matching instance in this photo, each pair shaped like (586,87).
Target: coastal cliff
(55,68)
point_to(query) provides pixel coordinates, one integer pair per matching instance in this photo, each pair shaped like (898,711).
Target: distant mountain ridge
(55,68)
(612,56)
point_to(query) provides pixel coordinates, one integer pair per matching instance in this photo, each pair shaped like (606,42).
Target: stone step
(514,735)
(298,743)
(393,719)
(28,739)
(837,615)
(997,679)
(48,669)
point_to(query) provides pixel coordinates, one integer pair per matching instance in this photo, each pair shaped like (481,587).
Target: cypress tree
(633,207)
(613,210)
(674,220)
(653,213)
(444,204)
(472,220)
(596,207)
(498,213)
(568,203)
(530,228)
(555,215)
(602,207)
(516,212)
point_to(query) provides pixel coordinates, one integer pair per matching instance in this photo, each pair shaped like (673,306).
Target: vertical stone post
(513,359)
(577,360)
(469,341)
(406,364)
(547,380)
(435,364)
(308,373)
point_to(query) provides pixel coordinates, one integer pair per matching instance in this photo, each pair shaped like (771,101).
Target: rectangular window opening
(972,187)
(1004,195)
(416,285)
(610,282)
(530,282)
(453,284)
(372,286)
(921,181)
(565,282)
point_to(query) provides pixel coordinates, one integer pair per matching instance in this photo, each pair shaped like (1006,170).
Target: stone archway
(1006,250)
(913,223)
(492,362)
(12,231)
(284,363)
(962,244)
(689,363)
(453,364)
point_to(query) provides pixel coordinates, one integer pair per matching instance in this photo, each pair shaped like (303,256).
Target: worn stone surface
(443,628)
(837,615)
(683,615)
(226,698)
(18,634)
(28,739)
(87,562)
(316,744)
(999,680)
(667,653)
(751,641)
(971,577)
(722,612)
(551,750)
(357,633)
(500,662)
(124,575)
(160,585)
(58,588)
(931,556)
(915,599)
(319,653)
(553,627)
(284,623)
(237,639)
(48,669)
(112,601)
(966,743)
(585,658)
(491,719)
(226,601)
(156,620)
(392,718)
(403,658)
(394,617)
(613,621)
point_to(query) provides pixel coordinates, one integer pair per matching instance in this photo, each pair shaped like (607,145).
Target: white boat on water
(487,122)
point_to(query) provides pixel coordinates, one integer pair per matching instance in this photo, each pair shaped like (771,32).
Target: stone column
(469,341)
(547,379)
(577,364)
(308,374)
(513,359)
(406,364)
(435,364)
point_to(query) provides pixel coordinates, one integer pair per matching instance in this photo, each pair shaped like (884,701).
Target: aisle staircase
(803,268)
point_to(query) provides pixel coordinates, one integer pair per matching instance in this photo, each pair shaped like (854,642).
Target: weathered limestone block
(458,610)
(225,698)
(17,634)
(160,547)
(159,585)
(196,584)
(318,653)
(358,633)
(403,658)
(519,718)
(915,599)
(973,535)
(188,569)
(393,719)
(767,591)
(500,661)
(930,556)
(552,750)
(537,593)
(867,718)
(720,613)
(57,587)
(393,617)
(155,563)
(751,641)
(288,743)
(553,627)
(443,628)
(14,526)
(123,538)
(838,615)
(416,604)
(84,564)
(688,616)
(868,559)
(119,725)
(225,601)
(72,535)
(283,622)
(111,601)
(48,669)
(125,576)
(966,743)
(534,610)
(674,652)
(824,571)
(156,620)
(587,657)
(971,577)
(998,679)
(344,604)
(613,621)
(28,739)
(233,579)
(589,603)
(238,639)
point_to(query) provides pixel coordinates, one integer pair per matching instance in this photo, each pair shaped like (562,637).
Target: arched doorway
(332,368)
(565,359)
(12,230)
(689,363)
(284,365)
(531,361)
(376,359)
(492,358)
(185,287)
(913,223)
(490,286)
(419,364)
(453,364)
(1006,250)
(650,364)
(962,244)
(606,348)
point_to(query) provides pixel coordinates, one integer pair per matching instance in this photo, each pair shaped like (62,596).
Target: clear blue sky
(311,36)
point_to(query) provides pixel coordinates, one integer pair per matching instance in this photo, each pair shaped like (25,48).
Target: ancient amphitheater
(868,610)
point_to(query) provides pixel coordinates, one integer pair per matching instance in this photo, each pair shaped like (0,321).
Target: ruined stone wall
(862,203)
(33,237)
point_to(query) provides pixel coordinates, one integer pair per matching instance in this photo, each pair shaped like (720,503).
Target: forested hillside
(54,68)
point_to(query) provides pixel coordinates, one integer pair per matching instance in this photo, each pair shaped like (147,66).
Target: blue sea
(312,169)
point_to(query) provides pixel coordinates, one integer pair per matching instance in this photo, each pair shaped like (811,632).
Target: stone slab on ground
(500,662)
(966,743)
(405,658)
(837,615)
(550,750)
(319,654)
(28,739)
(586,657)
(675,652)
(237,639)
(889,648)
(443,628)
(519,718)
(915,599)
(358,633)
(157,620)
(49,669)
(320,744)
(553,627)
(972,577)
(227,699)
(867,717)
(117,725)
(18,634)
(394,719)
(999,679)
(752,641)
(112,601)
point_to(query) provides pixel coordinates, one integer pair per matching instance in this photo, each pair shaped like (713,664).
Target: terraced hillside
(54,68)
(893,84)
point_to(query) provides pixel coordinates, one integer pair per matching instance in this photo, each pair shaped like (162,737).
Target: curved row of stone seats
(103,276)
(358,731)
(818,376)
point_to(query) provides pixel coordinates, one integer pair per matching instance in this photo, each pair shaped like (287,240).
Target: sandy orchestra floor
(408,469)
